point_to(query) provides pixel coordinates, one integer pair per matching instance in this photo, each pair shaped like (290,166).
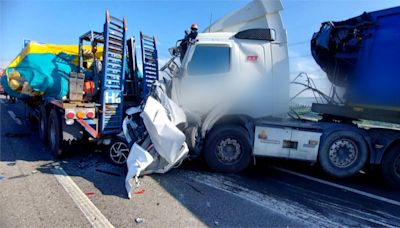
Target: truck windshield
(209,59)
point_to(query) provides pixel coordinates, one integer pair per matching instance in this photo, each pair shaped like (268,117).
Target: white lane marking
(281,206)
(91,212)
(366,194)
(14,117)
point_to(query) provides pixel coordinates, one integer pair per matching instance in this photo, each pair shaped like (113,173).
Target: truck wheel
(55,134)
(118,152)
(43,125)
(228,149)
(391,166)
(343,154)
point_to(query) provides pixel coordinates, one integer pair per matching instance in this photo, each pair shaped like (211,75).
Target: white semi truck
(233,87)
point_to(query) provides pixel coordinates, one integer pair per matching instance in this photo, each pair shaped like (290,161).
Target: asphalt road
(33,193)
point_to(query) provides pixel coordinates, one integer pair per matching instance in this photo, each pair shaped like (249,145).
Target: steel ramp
(150,62)
(113,75)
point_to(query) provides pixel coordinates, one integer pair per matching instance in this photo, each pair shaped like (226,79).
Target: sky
(63,21)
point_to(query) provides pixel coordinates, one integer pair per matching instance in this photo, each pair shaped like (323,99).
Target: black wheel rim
(229,150)
(119,153)
(343,153)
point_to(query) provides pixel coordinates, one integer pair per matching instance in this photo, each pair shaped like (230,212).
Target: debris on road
(89,193)
(34,171)
(139,191)
(18,176)
(139,220)
(11,163)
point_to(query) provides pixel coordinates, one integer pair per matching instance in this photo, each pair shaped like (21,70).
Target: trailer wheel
(343,154)
(118,152)
(43,125)
(55,140)
(391,166)
(228,149)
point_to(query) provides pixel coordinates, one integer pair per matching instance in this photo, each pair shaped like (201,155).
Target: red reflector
(90,115)
(252,58)
(70,115)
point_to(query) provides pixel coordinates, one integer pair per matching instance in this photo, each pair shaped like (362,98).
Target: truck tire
(118,151)
(343,154)
(43,125)
(391,166)
(228,149)
(55,139)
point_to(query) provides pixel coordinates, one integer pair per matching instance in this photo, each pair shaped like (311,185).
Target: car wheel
(118,152)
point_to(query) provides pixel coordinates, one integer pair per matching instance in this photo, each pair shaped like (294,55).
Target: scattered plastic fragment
(208,204)
(216,223)
(139,191)
(89,193)
(11,164)
(139,220)
(34,171)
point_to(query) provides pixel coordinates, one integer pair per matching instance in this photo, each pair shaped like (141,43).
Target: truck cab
(236,67)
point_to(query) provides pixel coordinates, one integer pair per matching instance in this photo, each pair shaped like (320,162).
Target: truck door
(205,78)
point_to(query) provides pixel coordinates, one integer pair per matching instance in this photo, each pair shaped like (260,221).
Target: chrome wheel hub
(343,153)
(229,150)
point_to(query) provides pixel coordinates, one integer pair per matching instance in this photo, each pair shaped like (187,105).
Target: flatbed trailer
(96,114)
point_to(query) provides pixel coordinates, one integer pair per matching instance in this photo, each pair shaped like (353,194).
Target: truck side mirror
(173,51)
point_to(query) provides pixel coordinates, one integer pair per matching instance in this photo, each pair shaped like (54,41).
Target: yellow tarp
(36,48)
